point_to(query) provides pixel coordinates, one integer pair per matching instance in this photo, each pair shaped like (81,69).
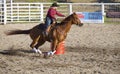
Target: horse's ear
(74,13)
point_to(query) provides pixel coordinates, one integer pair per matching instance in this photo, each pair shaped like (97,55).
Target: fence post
(11,4)
(5,12)
(18,12)
(29,11)
(103,14)
(42,13)
(70,8)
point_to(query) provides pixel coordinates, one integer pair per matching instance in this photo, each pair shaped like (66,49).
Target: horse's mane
(66,20)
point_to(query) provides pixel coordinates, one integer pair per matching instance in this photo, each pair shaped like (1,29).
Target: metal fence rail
(24,12)
(30,12)
(35,12)
(1,13)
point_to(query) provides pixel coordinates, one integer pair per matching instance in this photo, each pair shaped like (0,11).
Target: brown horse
(57,34)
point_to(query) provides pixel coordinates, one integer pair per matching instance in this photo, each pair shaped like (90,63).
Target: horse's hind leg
(40,42)
(34,42)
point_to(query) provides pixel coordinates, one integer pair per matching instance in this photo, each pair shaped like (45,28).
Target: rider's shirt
(52,12)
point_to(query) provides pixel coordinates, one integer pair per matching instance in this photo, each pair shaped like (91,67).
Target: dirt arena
(90,49)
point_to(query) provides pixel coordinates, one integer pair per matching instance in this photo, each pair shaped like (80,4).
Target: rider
(50,17)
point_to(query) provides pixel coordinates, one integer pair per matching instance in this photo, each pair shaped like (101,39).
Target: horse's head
(76,19)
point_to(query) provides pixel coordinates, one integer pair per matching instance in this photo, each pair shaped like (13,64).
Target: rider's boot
(47,31)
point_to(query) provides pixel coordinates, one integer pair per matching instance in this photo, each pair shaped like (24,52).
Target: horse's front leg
(53,48)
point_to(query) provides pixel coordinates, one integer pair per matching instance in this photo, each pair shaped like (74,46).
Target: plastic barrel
(61,48)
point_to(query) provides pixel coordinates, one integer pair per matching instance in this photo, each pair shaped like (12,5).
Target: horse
(58,33)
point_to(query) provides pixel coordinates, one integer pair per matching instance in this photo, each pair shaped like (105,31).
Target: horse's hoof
(38,51)
(34,50)
(46,55)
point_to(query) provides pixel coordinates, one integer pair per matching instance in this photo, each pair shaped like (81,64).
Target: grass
(35,0)
(112,20)
(74,1)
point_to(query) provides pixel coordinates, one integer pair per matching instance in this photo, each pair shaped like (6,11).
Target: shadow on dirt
(76,49)
(22,52)
(79,48)
(16,52)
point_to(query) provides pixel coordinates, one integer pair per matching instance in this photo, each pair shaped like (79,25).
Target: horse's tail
(15,32)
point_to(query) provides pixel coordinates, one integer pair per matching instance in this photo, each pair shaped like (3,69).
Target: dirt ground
(90,49)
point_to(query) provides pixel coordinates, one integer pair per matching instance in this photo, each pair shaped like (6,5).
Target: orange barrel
(61,48)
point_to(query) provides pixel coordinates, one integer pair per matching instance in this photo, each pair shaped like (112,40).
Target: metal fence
(112,13)
(3,13)
(29,12)
(35,12)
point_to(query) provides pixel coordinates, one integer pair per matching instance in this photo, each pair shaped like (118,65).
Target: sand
(90,49)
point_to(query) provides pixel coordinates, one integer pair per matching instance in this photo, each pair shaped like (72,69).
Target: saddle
(42,27)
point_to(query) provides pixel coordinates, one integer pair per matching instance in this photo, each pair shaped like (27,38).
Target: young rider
(50,17)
